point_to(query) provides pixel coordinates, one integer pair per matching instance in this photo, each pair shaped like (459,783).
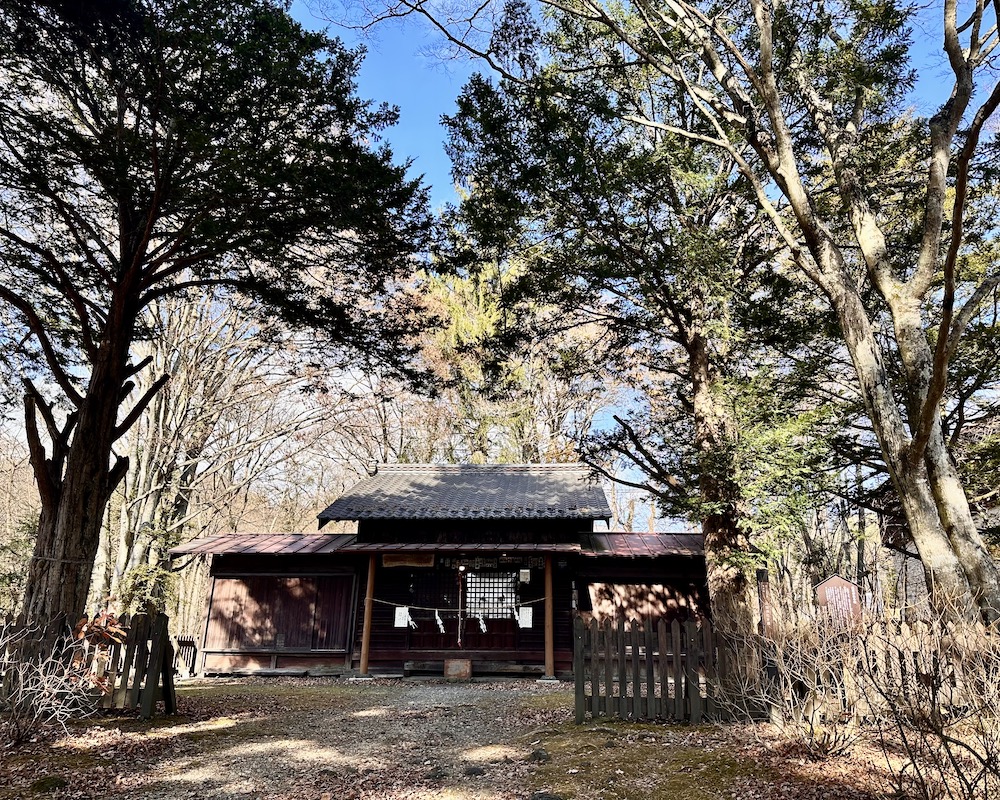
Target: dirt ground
(330,739)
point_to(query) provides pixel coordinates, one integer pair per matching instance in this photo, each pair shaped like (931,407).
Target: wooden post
(209,596)
(595,671)
(692,677)
(366,632)
(550,652)
(579,693)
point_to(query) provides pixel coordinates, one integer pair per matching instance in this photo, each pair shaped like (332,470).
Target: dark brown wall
(275,564)
(437,587)
(683,580)
(489,531)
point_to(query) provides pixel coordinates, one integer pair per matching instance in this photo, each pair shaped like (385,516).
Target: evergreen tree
(149,149)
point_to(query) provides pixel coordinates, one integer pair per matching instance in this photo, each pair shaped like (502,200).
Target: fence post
(675,635)
(661,637)
(167,677)
(693,679)
(711,679)
(622,669)
(138,633)
(580,701)
(650,640)
(610,707)
(157,653)
(596,703)
(636,680)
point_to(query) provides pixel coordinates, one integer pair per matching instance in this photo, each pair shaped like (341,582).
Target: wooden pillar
(366,632)
(202,657)
(550,651)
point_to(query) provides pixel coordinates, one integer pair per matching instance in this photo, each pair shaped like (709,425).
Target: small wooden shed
(480,562)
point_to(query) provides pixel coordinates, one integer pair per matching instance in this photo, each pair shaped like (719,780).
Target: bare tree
(222,447)
(18,514)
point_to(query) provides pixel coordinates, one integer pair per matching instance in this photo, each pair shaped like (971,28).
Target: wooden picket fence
(131,670)
(644,670)
(186,654)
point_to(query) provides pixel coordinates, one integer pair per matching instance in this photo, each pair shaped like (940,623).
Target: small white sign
(402,617)
(525,576)
(524,616)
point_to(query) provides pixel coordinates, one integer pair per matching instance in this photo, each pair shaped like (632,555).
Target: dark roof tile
(467,491)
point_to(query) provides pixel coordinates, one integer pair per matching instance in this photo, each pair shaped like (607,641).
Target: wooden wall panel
(240,614)
(334,599)
(276,612)
(294,607)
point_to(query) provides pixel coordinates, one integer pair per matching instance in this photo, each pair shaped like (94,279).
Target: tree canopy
(151,150)
(885,212)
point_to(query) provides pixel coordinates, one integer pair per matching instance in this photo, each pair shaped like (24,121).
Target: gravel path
(330,739)
(383,739)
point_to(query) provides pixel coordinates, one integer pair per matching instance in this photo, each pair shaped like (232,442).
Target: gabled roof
(473,491)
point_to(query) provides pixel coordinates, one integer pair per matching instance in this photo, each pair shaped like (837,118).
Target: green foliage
(228,146)
(649,235)
(781,463)
(506,405)
(156,149)
(147,588)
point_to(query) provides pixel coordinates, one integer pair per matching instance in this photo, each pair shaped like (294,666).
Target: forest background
(621,283)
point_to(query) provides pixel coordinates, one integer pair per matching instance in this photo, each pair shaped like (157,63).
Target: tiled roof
(508,491)
(614,544)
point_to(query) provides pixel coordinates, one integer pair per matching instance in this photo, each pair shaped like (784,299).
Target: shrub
(935,691)
(44,680)
(928,693)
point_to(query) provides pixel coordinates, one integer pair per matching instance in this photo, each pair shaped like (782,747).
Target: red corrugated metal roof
(264,543)
(622,544)
(614,544)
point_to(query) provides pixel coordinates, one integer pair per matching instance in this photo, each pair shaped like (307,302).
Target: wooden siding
(273,612)
(250,642)
(270,564)
(673,587)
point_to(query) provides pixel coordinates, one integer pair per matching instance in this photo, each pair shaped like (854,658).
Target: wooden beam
(550,657)
(366,632)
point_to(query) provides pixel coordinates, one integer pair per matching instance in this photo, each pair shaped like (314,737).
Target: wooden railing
(130,667)
(644,670)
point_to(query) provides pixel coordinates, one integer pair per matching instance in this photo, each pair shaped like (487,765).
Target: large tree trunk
(947,580)
(956,517)
(951,504)
(69,525)
(728,586)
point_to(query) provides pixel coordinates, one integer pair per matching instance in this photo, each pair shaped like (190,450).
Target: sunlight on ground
(84,743)
(301,750)
(371,712)
(217,724)
(490,753)
(446,793)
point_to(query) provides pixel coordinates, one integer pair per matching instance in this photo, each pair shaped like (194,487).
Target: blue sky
(401,70)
